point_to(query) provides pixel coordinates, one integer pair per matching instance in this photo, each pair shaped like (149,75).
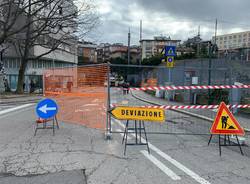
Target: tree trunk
(25,56)
(21,73)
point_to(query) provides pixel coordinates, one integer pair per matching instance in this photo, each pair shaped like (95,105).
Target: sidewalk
(208,114)
(23,98)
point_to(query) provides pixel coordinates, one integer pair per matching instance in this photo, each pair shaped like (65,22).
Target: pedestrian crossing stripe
(225,123)
(163,51)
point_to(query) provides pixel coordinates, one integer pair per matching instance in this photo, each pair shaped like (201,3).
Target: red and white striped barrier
(191,87)
(191,106)
(196,106)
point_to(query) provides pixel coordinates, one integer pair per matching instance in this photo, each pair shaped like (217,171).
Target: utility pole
(209,72)
(129,47)
(215,36)
(215,32)
(140,42)
(198,44)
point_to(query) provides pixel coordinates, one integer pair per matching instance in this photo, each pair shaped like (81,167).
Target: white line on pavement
(155,161)
(173,161)
(178,165)
(161,166)
(14,109)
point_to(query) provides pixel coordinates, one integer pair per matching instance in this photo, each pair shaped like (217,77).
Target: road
(189,156)
(174,158)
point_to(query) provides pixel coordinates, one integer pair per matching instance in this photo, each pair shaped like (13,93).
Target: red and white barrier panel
(190,106)
(196,106)
(191,87)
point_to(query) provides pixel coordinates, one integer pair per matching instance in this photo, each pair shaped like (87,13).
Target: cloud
(176,18)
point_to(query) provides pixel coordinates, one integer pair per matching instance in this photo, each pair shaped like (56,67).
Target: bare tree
(49,24)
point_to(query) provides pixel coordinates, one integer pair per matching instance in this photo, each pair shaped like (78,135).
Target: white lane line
(161,166)
(155,161)
(173,161)
(14,109)
(179,165)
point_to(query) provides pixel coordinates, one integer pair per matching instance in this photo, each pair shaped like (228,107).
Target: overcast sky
(178,19)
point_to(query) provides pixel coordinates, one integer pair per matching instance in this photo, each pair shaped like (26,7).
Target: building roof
(159,40)
(232,33)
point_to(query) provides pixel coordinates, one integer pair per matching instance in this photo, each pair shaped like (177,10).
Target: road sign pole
(108,118)
(169,75)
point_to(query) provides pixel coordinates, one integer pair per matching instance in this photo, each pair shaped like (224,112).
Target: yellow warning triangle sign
(225,123)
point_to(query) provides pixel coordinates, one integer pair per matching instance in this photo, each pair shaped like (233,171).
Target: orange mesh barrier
(80,92)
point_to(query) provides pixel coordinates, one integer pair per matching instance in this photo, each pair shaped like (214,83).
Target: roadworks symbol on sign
(225,123)
(138,113)
(170,51)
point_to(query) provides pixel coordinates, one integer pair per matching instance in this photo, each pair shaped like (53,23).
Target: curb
(180,111)
(5,96)
(19,102)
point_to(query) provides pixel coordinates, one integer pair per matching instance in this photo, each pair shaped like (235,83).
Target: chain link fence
(185,73)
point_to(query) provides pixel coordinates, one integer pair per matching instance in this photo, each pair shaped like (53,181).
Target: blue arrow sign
(170,51)
(46,108)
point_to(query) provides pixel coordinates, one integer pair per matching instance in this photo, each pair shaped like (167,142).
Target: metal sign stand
(44,122)
(227,142)
(136,130)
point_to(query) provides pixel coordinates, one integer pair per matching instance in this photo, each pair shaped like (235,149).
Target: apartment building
(64,56)
(117,50)
(151,47)
(233,41)
(87,53)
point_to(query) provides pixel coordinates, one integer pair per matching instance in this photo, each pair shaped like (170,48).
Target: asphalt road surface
(185,158)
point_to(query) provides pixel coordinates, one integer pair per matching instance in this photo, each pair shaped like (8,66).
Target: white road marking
(155,161)
(161,166)
(179,165)
(14,109)
(173,161)
(89,105)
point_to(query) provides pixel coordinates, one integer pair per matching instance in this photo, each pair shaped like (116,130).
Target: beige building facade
(233,41)
(151,47)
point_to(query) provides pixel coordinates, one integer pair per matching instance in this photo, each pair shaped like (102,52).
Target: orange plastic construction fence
(80,93)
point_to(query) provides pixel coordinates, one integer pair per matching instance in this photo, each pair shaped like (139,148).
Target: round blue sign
(46,108)
(170,59)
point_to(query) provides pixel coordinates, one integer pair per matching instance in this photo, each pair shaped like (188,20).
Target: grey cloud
(231,10)
(230,14)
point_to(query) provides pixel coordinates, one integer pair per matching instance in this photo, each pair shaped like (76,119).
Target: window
(34,64)
(10,63)
(221,38)
(40,64)
(225,38)
(234,36)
